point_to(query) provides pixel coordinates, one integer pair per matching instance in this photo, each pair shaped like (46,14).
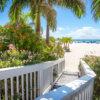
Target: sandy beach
(78,50)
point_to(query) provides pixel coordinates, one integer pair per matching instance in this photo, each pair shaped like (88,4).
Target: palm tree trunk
(37,24)
(68,45)
(47,34)
(64,45)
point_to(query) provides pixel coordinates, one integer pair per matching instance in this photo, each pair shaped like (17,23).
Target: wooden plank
(27,86)
(6,90)
(0,92)
(34,85)
(38,83)
(12,89)
(65,78)
(17,85)
(31,84)
(22,87)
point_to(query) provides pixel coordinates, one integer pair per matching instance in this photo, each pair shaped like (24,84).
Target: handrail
(81,89)
(36,79)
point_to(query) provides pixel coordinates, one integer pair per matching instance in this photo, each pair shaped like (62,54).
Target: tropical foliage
(2,4)
(46,9)
(21,47)
(37,7)
(94,63)
(66,41)
(96,9)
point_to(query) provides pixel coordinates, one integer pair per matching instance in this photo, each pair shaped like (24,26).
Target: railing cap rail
(20,70)
(70,88)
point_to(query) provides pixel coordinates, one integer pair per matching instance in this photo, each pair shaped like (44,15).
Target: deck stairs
(65,78)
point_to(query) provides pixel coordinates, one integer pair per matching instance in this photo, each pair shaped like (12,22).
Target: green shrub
(20,46)
(94,63)
(22,37)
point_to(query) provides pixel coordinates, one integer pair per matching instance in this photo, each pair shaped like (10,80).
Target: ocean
(86,40)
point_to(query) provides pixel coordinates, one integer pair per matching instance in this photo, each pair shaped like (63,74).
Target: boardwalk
(65,78)
(72,61)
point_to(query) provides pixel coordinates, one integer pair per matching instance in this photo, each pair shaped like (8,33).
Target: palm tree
(51,21)
(37,7)
(40,6)
(69,41)
(96,9)
(63,40)
(51,25)
(66,41)
(77,6)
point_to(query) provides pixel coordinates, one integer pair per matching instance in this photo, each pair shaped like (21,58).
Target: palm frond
(96,9)
(15,11)
(2,4)
(76,6)
(50,14)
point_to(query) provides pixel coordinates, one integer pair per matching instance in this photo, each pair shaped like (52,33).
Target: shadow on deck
(65,78)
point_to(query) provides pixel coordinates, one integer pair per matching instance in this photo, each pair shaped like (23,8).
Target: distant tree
(66,41)
(69,41)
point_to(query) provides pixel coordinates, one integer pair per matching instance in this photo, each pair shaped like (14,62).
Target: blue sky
(67,23)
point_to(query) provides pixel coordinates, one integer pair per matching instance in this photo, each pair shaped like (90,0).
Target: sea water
(86,40)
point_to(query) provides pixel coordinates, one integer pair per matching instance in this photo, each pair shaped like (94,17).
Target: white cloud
(60,28)
(54,34)
(85,33)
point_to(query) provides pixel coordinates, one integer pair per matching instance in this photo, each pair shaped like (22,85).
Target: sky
(68,25)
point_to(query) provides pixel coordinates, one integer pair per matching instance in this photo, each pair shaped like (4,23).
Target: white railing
(29,82)
(81,89)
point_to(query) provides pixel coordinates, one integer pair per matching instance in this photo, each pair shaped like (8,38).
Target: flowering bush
(20,46)
(14,57)
(22,37)
(94,63)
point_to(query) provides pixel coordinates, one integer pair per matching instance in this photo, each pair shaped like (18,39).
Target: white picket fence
(81,89)
(29,81)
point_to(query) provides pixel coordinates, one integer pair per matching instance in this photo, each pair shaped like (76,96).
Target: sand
(78,50)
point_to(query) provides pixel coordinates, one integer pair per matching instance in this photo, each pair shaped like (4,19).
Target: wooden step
(65,78)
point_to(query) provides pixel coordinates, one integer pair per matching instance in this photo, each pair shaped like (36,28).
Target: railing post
(92,88)
(0,92)
(41,82)
(52,75)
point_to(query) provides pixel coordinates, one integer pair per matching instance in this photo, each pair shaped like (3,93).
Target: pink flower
(1,52)
(11,46)
(35,54)
(55,54)
(24,61)
(20,50)
(8,61)
(8,51)
(29,52)
(23,50)
(30,57)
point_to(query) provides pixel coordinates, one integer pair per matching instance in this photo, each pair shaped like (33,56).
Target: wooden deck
(65,78)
